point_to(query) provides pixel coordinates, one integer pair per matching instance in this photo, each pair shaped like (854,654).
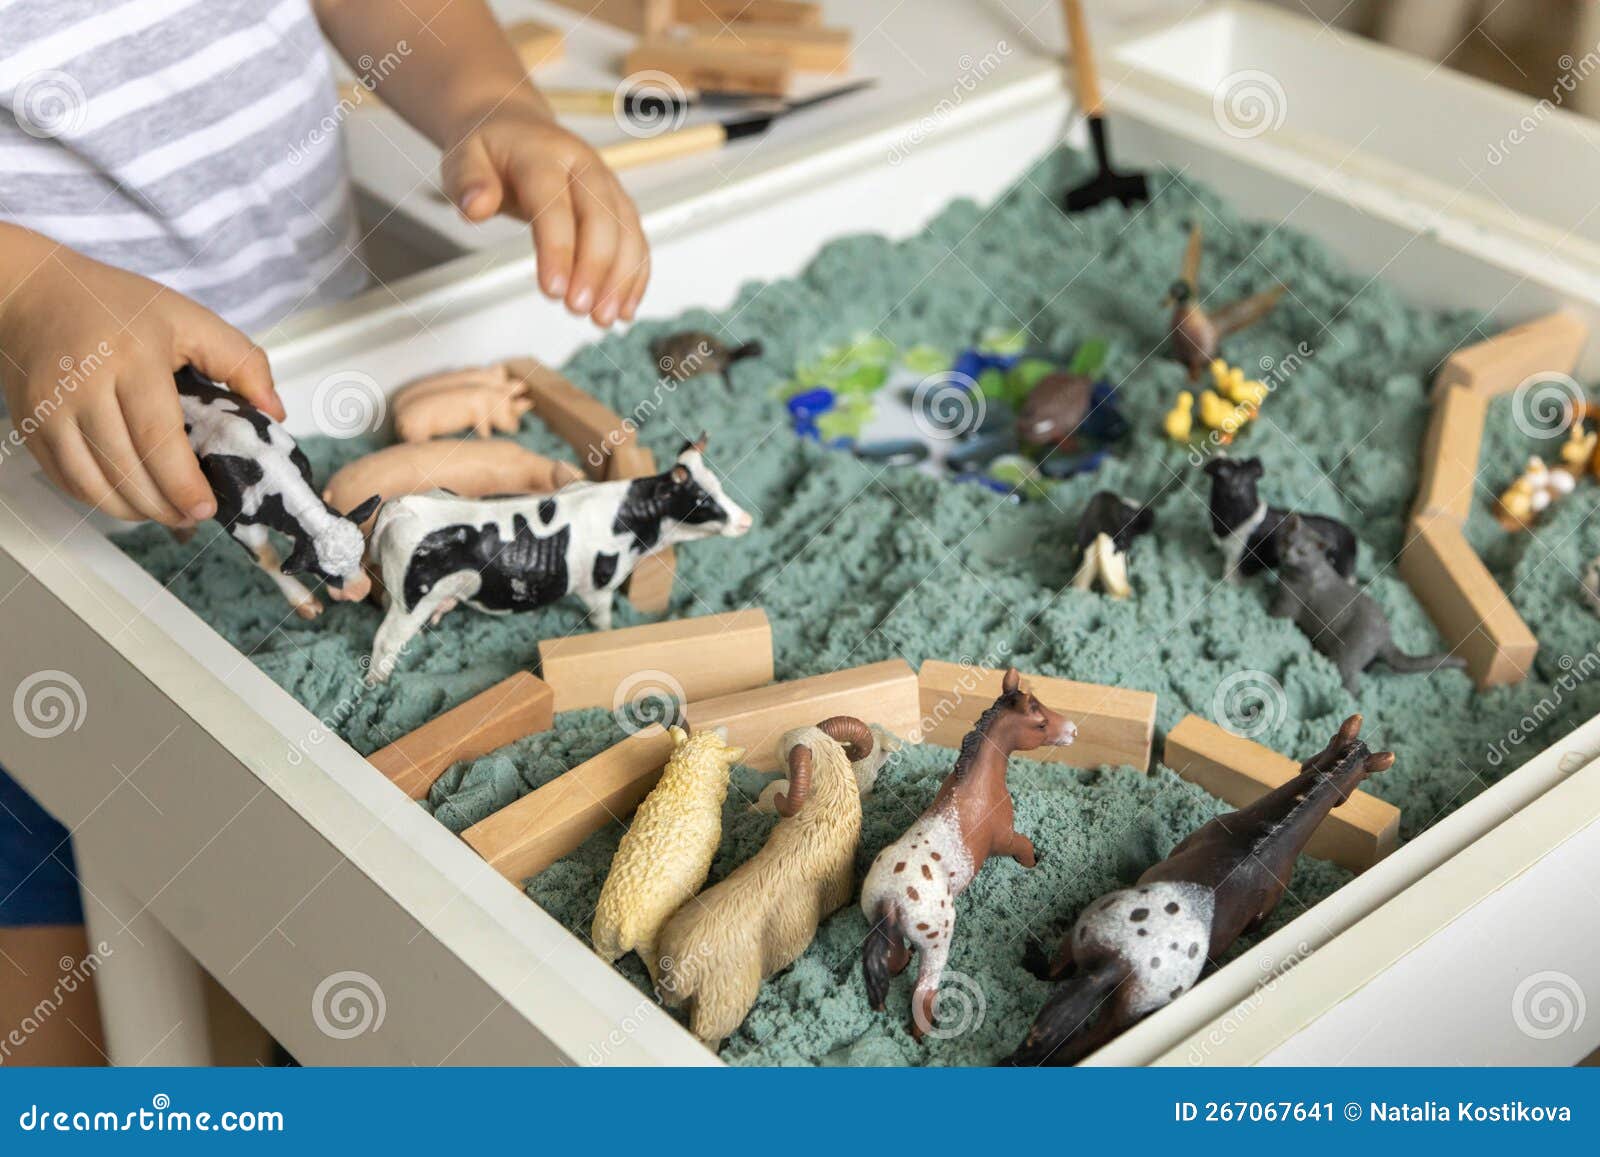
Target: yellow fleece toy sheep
(716,950)
(666,852)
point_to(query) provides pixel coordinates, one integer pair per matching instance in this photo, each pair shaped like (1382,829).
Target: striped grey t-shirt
(192,141)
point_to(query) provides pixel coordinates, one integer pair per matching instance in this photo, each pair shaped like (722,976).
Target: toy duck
(1220,414)
(1196,333)
(1179,422)
(1578,450)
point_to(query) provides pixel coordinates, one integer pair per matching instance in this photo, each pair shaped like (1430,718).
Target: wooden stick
(1115,725)
(883,693)
(649,587)
(685,142)
(1086,78)
(643,17)
(807,49)
(791,12)
(1357,834)
(698,658)
(1450,454)
(536,42)
(592,429)
(1549,344)
(1472,613)
(508,711)
(525,838)
(712,67)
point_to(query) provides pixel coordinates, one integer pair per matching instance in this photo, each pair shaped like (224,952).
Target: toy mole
(1138,949)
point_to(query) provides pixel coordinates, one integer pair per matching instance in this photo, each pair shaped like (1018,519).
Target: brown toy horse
(911,888)
(1139,949)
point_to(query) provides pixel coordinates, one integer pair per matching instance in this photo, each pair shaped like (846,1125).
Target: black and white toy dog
(517,553)
(1249,532)
(1106,532)
(263,483)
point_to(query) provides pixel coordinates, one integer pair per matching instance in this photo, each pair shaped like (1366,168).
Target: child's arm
(446,66)
(87,354)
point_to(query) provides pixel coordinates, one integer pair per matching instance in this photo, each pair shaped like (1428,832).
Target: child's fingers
(619,283)
(154,418)
(599,233)
(227,355)
(106,432)
(470,180)
(545,198)
(81,475)
(641,282)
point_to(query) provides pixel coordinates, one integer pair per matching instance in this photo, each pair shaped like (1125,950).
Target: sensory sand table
(857,563)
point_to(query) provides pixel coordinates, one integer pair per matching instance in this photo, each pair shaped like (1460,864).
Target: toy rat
(689,354)
(262,482)
(1138,949)
(911,889)
(1342,622)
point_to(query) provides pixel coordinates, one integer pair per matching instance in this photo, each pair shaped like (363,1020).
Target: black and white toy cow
(1249,532)
(499,555)
(1106,532)
(263,483)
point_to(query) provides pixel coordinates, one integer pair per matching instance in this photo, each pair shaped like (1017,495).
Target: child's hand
(591,247)
(87,354)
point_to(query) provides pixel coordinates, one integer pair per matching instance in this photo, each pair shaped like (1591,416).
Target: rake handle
(1085,78)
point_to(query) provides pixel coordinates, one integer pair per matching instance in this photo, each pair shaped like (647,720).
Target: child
(170,176)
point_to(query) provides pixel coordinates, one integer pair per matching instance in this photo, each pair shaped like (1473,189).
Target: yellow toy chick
(1233,385)
(1220,415)
(1578,450)
(1179,422)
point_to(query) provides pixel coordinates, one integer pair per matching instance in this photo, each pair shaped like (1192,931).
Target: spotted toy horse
(911,888)
(1138,949)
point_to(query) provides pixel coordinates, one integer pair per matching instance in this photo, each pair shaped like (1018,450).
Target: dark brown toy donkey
(911,888)
(1140,948)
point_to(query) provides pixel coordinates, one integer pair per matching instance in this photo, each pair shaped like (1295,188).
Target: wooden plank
(1450,452)
(883,693)
(511,709)
(807,49)
(525,838)
(1472,613)
(1357,834)
(649,588)
(1549,344)
(590,427)
(536,42)
(1115,724)
(637,16)
(712,67)
(701,658)
(791,12)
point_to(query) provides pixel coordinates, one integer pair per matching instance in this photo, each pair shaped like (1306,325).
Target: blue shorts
(37,883)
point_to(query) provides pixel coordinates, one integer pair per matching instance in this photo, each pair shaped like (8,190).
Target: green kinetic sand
(855,564)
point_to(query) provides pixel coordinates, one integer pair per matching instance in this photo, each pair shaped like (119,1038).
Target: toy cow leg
(253,537)
(400,625)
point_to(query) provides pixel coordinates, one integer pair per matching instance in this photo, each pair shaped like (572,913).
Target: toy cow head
(333,554)
(694,500)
